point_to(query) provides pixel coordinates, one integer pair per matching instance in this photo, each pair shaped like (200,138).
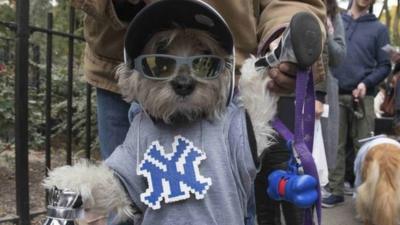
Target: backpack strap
(252,140)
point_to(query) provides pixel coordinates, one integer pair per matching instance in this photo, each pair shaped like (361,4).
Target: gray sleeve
(126,171)
(241,157)
(337,42)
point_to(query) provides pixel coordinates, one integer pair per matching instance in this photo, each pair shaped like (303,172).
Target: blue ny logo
(173,176)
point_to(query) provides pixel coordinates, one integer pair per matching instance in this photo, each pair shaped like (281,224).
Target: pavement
(343,214)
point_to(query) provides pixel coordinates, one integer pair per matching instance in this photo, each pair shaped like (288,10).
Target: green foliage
(393,30)
(7,111)
(37,81)
(7,15)
(36,107)
(39,8)
(79,107)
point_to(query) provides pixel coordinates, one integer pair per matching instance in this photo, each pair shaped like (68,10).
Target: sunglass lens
(207,66)
(158,66)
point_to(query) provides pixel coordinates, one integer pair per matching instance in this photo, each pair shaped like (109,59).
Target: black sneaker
(332,201)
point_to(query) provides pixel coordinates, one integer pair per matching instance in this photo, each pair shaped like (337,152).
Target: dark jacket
(365,60)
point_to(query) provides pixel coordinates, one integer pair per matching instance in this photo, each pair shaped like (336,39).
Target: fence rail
(22,31)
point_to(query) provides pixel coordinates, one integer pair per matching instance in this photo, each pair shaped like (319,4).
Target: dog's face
(178,87)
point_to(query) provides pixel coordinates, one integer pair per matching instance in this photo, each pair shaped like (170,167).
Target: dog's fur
(258,101)
(99,188)
(378,197)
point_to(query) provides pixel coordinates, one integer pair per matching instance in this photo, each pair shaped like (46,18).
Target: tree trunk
(382,10)
(387,13)
(395,28)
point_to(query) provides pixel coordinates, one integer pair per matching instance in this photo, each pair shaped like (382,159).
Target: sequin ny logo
(172,176)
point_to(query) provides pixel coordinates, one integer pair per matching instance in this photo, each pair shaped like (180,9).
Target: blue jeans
(112,120)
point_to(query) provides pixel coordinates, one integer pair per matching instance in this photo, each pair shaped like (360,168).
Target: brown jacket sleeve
(101,10)
(275,14)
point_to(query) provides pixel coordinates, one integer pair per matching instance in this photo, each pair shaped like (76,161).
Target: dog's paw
(97,185)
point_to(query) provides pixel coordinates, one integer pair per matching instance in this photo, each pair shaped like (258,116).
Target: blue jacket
(365,60)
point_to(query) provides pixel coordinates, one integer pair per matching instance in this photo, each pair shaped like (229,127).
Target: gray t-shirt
(198,173)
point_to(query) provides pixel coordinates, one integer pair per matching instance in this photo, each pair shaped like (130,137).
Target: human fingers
(319,109)
(362,89)
(282,80)
(274,87)
(362,93)
(290,69)
(355,93)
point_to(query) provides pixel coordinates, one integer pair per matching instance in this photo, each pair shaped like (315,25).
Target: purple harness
(303,133)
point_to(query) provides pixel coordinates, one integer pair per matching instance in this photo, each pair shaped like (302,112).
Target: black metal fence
(23,31)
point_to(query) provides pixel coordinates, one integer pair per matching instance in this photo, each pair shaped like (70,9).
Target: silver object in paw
(64,207)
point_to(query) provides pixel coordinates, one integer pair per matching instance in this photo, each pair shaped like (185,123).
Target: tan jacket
(251,21)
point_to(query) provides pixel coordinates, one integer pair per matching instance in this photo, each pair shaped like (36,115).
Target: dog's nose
(183,85)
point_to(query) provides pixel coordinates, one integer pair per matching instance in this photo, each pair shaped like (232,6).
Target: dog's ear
(127,82)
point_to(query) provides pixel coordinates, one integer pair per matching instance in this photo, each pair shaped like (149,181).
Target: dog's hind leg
(365,197)
(385,207)
(97,186)
(377,197)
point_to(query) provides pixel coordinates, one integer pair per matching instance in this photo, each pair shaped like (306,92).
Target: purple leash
(303,133)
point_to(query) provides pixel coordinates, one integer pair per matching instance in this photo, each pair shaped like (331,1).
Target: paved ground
(341,215)
(344,214)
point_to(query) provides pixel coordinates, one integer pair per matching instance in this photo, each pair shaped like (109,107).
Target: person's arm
(382,68)
(395,57)
(336,42)
(117,12)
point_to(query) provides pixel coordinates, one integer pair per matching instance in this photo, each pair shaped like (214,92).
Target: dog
(180,97)
(183,82)
(378,196)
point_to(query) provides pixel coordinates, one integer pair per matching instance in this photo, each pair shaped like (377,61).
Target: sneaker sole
(348,193)
(331,206)
(306,38)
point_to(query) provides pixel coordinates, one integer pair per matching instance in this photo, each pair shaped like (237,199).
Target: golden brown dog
(378,197)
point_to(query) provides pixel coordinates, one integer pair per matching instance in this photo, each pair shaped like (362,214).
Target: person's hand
(319,109)
(395,57)
(359,92)
(283,78)
(329,25)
